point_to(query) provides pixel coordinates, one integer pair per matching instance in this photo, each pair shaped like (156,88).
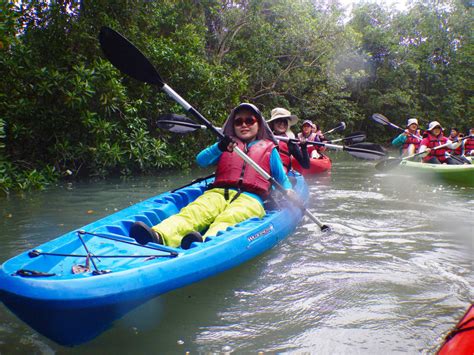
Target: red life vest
(285,155)
(468,146)
(431,142)
(232,171)
(457,151)
(411,140)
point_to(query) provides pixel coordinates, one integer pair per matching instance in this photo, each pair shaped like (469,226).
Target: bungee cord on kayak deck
(90,256)
(162,248)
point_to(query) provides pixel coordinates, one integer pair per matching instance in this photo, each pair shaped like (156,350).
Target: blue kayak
(72,288)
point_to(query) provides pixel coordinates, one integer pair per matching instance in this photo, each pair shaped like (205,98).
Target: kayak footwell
(74,287)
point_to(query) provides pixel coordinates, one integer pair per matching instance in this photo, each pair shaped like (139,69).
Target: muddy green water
(393,277)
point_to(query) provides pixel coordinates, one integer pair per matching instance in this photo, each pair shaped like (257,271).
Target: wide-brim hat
(433,125)
(309,122)
(412,121)
(280,112)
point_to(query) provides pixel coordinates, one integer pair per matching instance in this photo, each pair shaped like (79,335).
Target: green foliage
(420,62)
(65,110)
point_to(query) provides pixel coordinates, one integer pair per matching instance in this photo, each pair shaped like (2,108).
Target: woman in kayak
(238,190)
(434,138)
(409,140)
(311,132)
(280,122)
(468,144)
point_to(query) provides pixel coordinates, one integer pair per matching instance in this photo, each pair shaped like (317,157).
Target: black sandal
(144,234)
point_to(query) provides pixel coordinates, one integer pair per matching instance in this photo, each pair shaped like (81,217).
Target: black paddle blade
(379,118)
(388,164)
(370,146)
(127,58)
(177,124)
(325,228)
(366,151)
(355,137)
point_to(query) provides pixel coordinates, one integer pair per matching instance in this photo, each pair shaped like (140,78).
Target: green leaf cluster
(65,112)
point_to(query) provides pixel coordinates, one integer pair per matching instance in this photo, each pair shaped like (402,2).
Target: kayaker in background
(238,190)
(311,132)
(468,144)
(409,140)
(319,133)
(434,138)
(280,122)
(453,135)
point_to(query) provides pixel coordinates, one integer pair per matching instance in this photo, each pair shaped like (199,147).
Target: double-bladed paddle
(359,150)
(131,61)
(379,118)
(182,124)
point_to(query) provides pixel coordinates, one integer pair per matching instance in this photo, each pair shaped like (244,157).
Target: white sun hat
(279,112)
(411,121)
(433,125)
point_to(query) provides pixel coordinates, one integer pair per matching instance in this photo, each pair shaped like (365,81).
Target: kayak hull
(73,308)
(461,340)
(317,166)
(456,174)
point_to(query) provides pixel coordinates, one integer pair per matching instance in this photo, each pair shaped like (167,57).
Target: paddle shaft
(411,134)
(435,148)
(356,137)
(340,126)
(385,121)
(333,146)
(128,59)
(175,96)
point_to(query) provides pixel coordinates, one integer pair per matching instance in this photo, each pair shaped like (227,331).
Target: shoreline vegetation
(67,113)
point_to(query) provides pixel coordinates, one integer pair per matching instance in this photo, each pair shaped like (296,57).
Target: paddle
(184,125)
(355,150)
(455,157)
(392,163)
(355,137)
(129,60)
(340,127)
(379,118)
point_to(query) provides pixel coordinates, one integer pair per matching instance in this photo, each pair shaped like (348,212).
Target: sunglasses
(249,121)
(281,121)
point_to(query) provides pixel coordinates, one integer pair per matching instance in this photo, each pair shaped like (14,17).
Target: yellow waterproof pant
(212,210)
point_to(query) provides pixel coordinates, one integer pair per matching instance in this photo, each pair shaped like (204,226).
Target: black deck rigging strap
(456,331)
(35,253)
(32,273)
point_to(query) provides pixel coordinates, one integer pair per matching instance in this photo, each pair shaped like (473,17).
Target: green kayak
(457,174)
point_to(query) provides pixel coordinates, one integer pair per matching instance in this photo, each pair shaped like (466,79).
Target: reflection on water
(394,275)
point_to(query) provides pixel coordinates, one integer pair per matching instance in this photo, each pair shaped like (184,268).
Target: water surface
(393,277)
